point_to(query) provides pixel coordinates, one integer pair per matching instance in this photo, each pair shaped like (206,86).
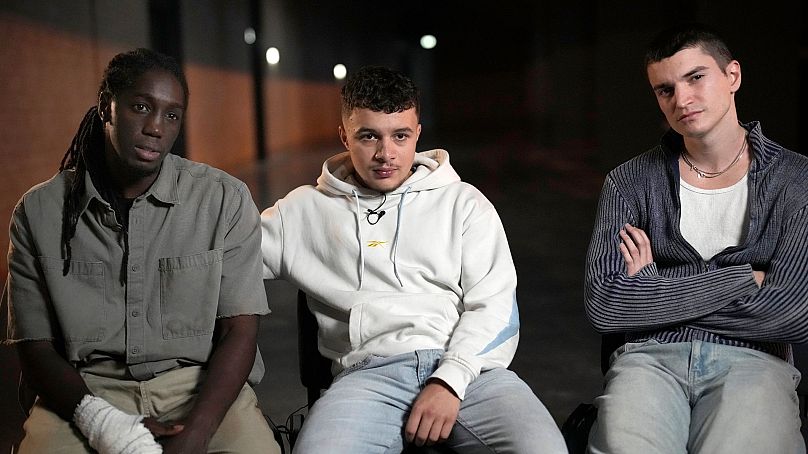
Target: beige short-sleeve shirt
(194,256)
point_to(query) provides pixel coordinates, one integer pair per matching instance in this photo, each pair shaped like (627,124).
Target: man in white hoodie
(410,277)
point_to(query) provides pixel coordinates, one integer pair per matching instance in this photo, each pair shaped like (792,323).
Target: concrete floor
(546,199)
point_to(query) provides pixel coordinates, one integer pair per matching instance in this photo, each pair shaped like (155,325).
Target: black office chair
(577,426)
(315,369)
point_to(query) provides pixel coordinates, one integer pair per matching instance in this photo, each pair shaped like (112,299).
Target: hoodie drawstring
(358,217)
(398,230)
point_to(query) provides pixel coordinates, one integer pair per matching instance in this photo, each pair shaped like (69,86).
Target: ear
(733,72)
(104,106)
(343,137)
(418,132)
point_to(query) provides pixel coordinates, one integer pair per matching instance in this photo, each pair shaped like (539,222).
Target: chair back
(315,369)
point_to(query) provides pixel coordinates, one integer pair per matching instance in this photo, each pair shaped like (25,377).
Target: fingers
(411,428)
(760,276)
(433,414)
(161,429)
(421,430)
(635,247)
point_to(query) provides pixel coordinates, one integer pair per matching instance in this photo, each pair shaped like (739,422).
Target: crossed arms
(627,291)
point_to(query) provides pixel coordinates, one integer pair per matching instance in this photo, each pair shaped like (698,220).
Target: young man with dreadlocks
(411,279)
(136,316)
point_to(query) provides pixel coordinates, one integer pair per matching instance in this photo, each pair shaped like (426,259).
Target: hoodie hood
(431,171)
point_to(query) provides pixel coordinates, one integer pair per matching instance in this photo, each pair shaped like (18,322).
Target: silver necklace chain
(704,173)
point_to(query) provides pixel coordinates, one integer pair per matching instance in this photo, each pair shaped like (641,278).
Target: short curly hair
(379,89)
(687,36)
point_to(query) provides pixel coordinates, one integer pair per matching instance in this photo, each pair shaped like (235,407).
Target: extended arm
(53,379)
(488,330)
(617,302)
(228,369)
(242,299)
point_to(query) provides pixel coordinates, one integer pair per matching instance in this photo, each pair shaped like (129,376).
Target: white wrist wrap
(111,431)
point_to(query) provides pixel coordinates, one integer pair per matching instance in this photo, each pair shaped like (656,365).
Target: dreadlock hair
(380,90)
(86,151)
(688,36)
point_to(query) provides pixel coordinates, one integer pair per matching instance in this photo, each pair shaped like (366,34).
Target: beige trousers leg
(168,397)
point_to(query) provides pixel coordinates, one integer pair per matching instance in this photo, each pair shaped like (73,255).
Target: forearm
(54,380)
(645,301)
(778,312)
(227,371)
(775,313)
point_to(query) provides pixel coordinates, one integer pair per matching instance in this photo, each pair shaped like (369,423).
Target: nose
(683,96)
(385,150)
(153,125)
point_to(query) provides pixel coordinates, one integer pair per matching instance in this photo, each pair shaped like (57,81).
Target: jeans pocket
(629,347)
(355,366)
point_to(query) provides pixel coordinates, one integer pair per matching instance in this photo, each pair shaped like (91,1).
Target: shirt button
(135,350)
(135,268)
(135,313)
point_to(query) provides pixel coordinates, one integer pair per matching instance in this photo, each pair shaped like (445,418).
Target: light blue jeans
(698,398)
(365,409)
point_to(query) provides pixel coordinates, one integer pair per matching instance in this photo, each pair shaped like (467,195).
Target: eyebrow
(684,76)
(694,71)
(365,129)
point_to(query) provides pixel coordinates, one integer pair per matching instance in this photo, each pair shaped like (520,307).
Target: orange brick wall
(220,123)
(301,113)
(49,80)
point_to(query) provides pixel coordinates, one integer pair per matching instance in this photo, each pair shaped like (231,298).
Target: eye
(174,116)
(664,92)
(401,136)
(140,107)
(367,136)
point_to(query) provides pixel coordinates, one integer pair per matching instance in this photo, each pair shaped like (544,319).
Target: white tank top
(714,219)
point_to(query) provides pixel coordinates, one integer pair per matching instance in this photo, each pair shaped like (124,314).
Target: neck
(124,182)
(717,150)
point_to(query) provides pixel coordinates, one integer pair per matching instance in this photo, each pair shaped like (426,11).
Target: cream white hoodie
(435,271)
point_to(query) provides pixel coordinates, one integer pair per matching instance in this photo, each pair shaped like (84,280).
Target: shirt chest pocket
(77,298)
(189,293)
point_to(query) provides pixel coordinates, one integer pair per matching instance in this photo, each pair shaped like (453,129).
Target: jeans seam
(474,433)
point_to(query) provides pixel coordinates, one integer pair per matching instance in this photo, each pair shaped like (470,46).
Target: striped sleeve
(616,302)
(778,312)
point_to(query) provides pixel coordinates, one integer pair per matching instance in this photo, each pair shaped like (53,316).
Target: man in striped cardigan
(699,256)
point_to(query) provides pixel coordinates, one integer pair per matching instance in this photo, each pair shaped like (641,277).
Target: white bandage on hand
(111,431)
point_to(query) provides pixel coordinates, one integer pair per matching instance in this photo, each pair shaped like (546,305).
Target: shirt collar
(163,189)
(764,151)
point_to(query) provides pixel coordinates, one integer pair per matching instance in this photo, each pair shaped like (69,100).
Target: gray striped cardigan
(680,297)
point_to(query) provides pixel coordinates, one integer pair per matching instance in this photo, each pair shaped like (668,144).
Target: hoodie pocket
(390,324)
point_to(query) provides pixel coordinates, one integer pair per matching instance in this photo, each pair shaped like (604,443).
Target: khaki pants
(168,397)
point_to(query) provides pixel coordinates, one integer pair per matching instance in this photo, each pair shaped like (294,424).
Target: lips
(384,172)
(688,116)
(146,153)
